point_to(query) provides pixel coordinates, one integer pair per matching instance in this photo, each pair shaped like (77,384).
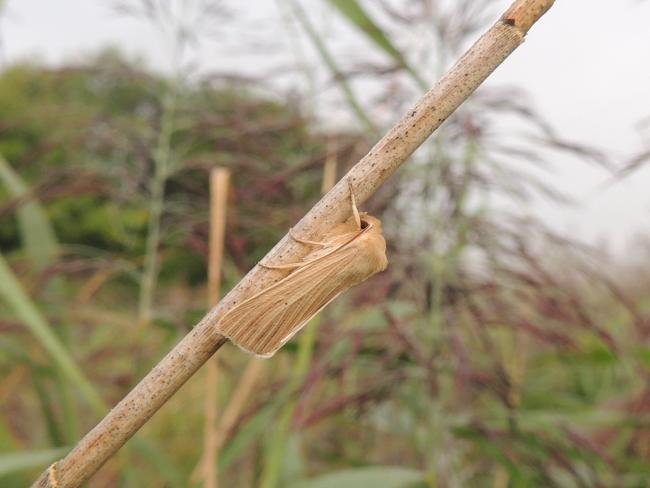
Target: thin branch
(366,176)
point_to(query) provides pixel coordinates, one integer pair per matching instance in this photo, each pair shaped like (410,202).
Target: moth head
(368,220)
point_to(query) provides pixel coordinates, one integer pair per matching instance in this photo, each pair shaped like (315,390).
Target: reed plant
(493,350)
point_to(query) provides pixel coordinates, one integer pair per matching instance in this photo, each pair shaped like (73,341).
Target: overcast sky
(586,65)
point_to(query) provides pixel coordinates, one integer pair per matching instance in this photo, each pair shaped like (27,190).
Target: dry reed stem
(329,168)
(255,366)
(247,382)
(366,176)
(219,184)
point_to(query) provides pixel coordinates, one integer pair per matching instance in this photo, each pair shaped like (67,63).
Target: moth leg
(305,241)
(355,210)
(283,266)
(296,265)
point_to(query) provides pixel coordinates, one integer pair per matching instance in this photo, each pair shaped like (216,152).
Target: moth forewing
(264,322)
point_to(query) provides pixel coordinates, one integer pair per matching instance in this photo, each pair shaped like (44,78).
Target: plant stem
(366,177)
(219,184)
(277,447)
(161,159)
(328,59)
(12,292)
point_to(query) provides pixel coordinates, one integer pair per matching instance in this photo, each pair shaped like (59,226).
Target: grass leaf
(12,292)
(358,17)
(332,66)
(377,477)
(39,240)
(276,451)
(19,461)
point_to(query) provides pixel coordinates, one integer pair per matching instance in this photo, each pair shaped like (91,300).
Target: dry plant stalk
(245,386)
(329,168)
(219,189)
(219,184)
(255,367)
(366,176)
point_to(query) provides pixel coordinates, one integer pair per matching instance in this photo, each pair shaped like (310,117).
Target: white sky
(586,66)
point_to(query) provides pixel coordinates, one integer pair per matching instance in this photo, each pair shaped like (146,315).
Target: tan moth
(348,254)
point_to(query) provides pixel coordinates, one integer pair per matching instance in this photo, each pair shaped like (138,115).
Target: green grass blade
(248,434)
(18,461)
(156,457)
(15,354)
(48,409)
(41,247)
(11,291)
(39,240)
(377,477)
(358,17)
(271,476)
(329,61)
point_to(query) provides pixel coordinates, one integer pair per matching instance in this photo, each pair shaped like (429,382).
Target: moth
(348,254)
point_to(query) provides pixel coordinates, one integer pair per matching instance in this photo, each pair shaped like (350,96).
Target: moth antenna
(355,210)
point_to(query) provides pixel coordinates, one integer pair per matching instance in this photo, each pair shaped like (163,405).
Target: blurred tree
(82,136)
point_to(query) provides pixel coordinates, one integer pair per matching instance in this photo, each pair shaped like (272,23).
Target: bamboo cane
(367,176)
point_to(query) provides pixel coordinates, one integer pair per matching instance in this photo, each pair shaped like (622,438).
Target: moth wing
(264,322)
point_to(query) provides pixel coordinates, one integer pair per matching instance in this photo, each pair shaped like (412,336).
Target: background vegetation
(492,352)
